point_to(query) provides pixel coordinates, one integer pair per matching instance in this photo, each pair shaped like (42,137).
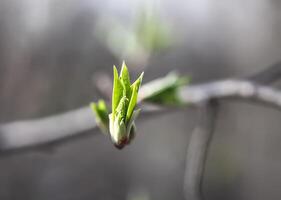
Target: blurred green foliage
(165,91)
(148,33)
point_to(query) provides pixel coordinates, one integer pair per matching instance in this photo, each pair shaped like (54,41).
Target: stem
(197,151)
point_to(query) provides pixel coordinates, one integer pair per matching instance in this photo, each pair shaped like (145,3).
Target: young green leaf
(122,107)
(117,91)
(125,78)
(134,97)
(101,113)
(164,90)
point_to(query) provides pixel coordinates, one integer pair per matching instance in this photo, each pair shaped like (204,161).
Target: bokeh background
(51,53)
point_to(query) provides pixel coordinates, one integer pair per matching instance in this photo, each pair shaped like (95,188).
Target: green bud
(101,112)
(121,122)
(124,100)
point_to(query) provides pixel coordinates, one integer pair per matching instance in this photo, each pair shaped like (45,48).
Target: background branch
(268,75)
(202,135)
(231,88)
(197,151)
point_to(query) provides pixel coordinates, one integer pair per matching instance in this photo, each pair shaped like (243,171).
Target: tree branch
(201,137)
(231,88)
(40,132)
(28,133)
(197,151)
(37,132)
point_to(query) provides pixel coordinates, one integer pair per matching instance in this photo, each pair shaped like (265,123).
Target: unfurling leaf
(125,78)
(134,97)
(164,91)
(121,122)
(101,112)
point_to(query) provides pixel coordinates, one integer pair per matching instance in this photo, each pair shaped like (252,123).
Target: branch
(28,133)
(197,151)
(201,137)
(232,88)
(268,75)
(44,131)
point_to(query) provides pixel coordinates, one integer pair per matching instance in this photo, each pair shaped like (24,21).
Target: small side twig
(197,151)
(268,75)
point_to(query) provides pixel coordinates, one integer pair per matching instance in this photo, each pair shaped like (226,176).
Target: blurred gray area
(49,54)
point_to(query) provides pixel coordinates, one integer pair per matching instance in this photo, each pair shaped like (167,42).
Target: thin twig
(197,151)
(267,75)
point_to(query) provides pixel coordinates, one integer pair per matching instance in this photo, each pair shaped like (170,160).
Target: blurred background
(51,53)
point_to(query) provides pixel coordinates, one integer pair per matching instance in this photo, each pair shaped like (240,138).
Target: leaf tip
(141,77)
(124,64)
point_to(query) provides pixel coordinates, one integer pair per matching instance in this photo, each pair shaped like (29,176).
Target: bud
(124,100)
